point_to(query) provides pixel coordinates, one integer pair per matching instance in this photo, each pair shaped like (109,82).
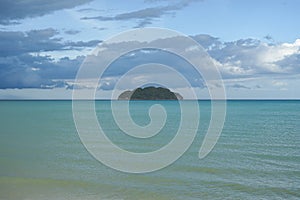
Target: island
(150,93)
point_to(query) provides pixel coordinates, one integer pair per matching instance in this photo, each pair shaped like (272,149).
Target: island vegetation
(150,93)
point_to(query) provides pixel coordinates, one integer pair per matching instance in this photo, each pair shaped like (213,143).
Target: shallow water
(256,157)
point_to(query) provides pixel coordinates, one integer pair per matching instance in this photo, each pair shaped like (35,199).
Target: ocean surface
(256,157)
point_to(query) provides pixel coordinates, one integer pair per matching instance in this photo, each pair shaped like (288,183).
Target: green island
(150,93)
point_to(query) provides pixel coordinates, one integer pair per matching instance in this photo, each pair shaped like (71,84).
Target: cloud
(17,42)
(269,38)
(239,60)
(155,1)
(143,23)
(252,58)
(282,85)
(291,63)
(22,66)
(145,16)
(89,10)
(12,11)
(72,32)
(239,86)
(140,57)
(279,83)
(27,71)
(80,44)
(208,42)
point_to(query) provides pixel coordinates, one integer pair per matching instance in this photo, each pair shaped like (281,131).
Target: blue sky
(255,44)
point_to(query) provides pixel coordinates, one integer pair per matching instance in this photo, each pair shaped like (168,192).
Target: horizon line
(231,99)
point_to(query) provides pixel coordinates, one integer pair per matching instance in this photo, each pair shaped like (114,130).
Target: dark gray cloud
(33,41)
(80,44)
(208,42)
(72,32)
(292,63)
(239,86)
(21,66)
(27,71)
(147,15)
(12,11)
(269,37)
(17,42)
(100,28)
(155,1)
(89,10)
(140,57)
(143,23)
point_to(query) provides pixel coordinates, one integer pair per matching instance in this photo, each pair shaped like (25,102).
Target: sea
(256,157)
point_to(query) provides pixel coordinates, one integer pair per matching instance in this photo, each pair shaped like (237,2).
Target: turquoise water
(256,157)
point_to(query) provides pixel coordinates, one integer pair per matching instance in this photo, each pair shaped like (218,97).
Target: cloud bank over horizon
(239,62)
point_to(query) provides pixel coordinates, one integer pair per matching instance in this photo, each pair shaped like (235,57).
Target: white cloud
(269,55)
(279,84)
(253,57)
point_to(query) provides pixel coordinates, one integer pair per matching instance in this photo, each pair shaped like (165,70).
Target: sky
(254,44)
